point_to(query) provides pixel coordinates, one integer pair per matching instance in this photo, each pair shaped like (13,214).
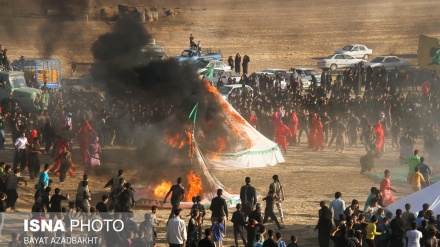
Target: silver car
(388,62)
(356,51)
(338,61)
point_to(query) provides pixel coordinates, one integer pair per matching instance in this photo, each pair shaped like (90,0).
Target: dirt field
(279,34)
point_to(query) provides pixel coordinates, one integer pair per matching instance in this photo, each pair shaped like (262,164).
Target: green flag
(436,58)
(210,72)
(193,113)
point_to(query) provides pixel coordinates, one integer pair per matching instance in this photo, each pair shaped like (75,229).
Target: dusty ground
(278,33)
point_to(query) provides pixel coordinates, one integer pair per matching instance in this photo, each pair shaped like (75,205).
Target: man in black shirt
(177,196)
(207,241)
(238,219)
(219,208)
(248,196)
(397,227)
(55,203)
(270,242)
(102,207)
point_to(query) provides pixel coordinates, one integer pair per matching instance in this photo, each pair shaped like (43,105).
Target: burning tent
(243,147)
(170,145)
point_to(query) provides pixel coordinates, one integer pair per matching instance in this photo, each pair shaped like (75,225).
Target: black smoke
(127,74)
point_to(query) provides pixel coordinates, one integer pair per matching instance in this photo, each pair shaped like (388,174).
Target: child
(280,242)
(294,241)
(385,229)
(14,242)
(218,229)
(258,241)
(268,211)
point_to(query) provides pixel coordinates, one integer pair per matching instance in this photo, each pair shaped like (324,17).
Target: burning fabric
(177,146)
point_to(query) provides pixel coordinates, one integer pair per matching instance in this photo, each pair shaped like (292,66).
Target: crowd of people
(337,111)
(329,112)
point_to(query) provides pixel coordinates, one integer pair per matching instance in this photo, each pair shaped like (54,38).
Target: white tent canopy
(262,153)
(430,195)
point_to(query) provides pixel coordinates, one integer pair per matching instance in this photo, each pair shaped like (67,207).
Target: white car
(356,51)
(206,63)
(338,61)
(305,75)
(233,90)
(219,73)
(388,62)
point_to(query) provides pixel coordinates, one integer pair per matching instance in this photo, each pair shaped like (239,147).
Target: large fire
(162,189)
(236,119)
(195,185)
(179,141)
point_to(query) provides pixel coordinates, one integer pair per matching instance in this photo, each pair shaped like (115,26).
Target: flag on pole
(210,72)
(193,113)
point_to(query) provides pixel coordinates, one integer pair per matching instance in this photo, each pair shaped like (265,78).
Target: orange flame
(235,118)
(162,189)
(176,141)
(195,185)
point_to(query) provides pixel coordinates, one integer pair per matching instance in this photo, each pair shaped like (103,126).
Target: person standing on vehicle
(199,48)
(245,64)
(237,63)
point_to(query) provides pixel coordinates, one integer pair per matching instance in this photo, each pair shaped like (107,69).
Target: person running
(178,193)
(416,179)
(425,170)
(385,189)
(13,181)
(66,162)
(268,211)
(115,184)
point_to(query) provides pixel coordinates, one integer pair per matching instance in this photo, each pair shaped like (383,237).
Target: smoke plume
(165,84)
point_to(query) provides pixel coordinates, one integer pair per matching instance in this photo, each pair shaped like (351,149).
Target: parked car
(272,75)
(232,90)
(305,75)
(338,61)
(189,55)
(206,63)
(356,51)
(388,62)
(224,74)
